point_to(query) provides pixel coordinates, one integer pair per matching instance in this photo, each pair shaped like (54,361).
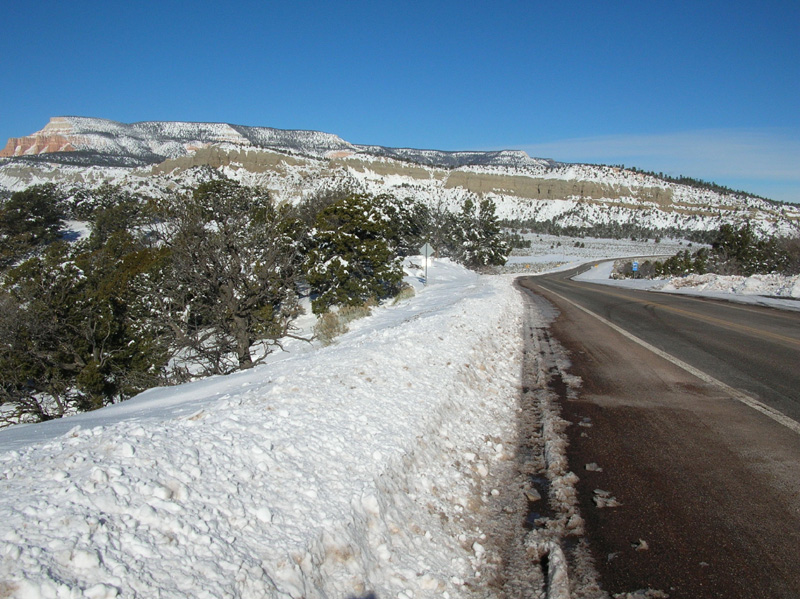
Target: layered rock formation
(157,158)
(53,138)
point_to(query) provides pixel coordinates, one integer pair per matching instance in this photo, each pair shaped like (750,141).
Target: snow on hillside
(522,187)
(358,468)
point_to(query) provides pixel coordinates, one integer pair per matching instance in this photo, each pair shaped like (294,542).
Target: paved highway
(690,409)
(751,348)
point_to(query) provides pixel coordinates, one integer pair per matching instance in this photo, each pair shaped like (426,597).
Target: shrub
(29,219)
(329,327)
(331,324)
(406,292)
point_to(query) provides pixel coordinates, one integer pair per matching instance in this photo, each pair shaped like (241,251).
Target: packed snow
(362,467)
(373,467)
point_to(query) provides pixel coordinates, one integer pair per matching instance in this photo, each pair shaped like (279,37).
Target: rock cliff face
(53,138)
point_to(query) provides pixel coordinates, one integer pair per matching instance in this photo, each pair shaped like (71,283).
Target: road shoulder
(682,489)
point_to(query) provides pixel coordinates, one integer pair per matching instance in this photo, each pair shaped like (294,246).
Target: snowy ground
(777,291)
(363,467)
(370,466)
(550,252)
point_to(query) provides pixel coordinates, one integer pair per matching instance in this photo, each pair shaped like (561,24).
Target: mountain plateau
(155,158)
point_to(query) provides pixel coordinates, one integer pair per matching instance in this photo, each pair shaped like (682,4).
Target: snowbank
(778,291)
(768,285)
(357,468)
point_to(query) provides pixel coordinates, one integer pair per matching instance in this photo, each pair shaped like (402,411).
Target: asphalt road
(693,428)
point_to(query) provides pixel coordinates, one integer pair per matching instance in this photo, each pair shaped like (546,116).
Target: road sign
(635,266)
(426,250)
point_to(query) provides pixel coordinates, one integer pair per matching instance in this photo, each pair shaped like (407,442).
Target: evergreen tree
(229,278)
(481,242)
(441,230)
(37,361)
(29,219)
(71,338)
(113,210)
(735,249)
(354,257)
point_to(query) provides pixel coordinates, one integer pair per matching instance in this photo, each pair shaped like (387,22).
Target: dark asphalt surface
(751,348)
(710,485)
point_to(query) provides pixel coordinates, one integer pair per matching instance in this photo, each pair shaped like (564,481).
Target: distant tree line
(199,283)
(693,182)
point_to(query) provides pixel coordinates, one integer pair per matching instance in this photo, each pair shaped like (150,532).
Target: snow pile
(359,468)
(769,285)
(778,291)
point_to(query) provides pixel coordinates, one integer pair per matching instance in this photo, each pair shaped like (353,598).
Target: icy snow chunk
(642,594)
(99,475)
(84,559)
(533,495)
(264,514)
(479,549)
(383,552)
(126,450)
(371,505)
(604,499)
(100,591)
(429,583)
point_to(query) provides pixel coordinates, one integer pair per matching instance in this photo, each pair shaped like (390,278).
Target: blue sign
(635,266)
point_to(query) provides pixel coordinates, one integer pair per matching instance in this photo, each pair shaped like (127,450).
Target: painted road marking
(709,319)
(740,396)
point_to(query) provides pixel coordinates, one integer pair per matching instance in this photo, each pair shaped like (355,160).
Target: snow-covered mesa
(156,158)
(362,467)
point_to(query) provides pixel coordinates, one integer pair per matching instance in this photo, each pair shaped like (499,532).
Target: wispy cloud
(762,161)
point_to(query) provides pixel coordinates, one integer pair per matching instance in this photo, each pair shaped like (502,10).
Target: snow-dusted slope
(155,157)
(362,467)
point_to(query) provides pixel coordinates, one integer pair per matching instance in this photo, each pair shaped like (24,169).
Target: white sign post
(426,250)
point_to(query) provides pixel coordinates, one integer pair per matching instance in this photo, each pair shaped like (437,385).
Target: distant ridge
(82,140)
(156,158)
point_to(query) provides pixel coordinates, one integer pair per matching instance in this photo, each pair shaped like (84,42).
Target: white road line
(734,393)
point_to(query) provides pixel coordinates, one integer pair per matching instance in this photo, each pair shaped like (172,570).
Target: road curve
(708,486)
(750,348)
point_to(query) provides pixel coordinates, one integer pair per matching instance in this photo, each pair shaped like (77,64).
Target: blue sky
(706,89)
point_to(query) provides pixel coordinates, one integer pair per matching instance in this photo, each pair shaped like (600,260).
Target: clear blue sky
(708,89)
